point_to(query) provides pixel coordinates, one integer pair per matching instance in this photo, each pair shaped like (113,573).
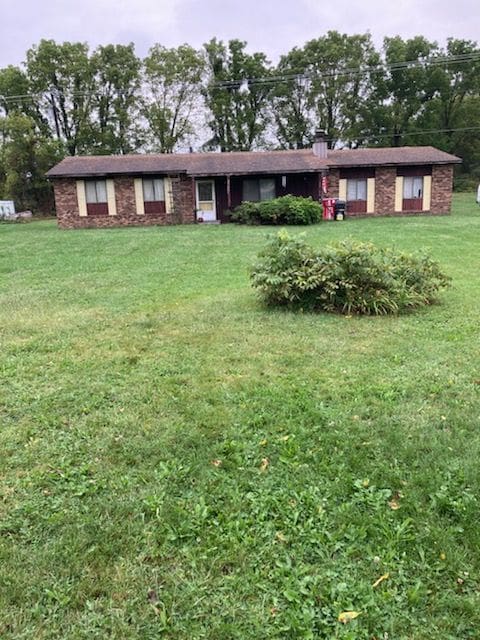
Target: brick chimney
(320,144)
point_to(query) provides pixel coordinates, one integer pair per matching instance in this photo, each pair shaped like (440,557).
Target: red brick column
(333,181)
(442,184)
(183,199)
(66,203)
(385,190)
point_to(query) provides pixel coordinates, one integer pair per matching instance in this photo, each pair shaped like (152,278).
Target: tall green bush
(279,211)
(348,277)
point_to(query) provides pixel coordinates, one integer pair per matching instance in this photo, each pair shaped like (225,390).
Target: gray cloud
(273,26)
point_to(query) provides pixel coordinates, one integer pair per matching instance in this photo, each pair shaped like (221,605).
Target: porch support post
(229,193)
(194,200)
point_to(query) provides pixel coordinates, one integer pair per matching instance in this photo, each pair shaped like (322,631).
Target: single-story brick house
(145,189)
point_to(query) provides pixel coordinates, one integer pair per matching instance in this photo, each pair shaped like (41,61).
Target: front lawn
(178,462)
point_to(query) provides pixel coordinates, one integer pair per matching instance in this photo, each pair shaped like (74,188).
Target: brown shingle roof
(389,156)
(241,163)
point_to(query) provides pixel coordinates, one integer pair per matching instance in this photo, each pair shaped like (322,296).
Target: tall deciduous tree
(404,90)
(62,74)
(115,101)
(291,102)
(328,86)
(14,90)
(455,82)
(26,156)
(238,109)
(172,81)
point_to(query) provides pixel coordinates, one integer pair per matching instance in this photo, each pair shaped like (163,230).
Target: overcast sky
(273,26)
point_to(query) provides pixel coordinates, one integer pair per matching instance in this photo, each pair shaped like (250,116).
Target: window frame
(410,201)
(156,205)
(257,184)
(96,206)
(357,181)
(357,205)
(411,181)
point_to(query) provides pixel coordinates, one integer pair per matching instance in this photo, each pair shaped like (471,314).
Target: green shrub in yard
(349,277)
(284,210)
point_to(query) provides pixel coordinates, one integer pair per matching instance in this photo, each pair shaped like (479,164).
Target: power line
(247,82)
(351,72)
(406,134)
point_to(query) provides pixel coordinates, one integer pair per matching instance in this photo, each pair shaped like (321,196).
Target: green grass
(179,462)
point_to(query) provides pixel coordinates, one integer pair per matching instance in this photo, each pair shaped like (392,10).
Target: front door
(206,206)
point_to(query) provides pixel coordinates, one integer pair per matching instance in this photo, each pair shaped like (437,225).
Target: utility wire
(247,82)
(406,134)
(354,71)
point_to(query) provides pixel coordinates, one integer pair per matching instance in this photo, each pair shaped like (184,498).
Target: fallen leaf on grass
(380,580)
(152,596)
(216,463)
(347,616)
(264,465)
(394,503)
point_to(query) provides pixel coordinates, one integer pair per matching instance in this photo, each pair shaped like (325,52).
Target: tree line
(66,100)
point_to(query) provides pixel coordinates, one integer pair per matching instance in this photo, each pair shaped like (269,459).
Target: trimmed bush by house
(284,210)
(348,277)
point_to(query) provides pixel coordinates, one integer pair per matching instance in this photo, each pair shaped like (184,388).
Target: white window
(356,189)
(412,187)
(96,191)
(153,190)
(255,190)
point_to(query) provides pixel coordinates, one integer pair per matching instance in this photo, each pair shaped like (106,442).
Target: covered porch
(217,195)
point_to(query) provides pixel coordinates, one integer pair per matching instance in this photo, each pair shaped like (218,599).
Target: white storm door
(206,206)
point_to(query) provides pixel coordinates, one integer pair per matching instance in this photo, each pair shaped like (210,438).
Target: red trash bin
(328,208)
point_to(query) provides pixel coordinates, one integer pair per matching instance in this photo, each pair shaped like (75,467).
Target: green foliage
(173,78)
(110,101)
(63,75)
(466,183)
(332,96)
(115,108)
(349,277)
(25,157)
(14,82)
(284,210)
(239,114)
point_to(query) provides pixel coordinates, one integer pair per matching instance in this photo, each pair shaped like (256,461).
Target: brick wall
(66,202)
(442,183)
(67,206)
(333,180)
(183,191)
(441,198)
(184,199)
(385,190)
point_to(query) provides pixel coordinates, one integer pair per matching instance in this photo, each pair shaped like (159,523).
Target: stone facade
(68,216)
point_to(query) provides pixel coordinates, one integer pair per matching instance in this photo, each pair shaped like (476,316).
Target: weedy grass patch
(179,462)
